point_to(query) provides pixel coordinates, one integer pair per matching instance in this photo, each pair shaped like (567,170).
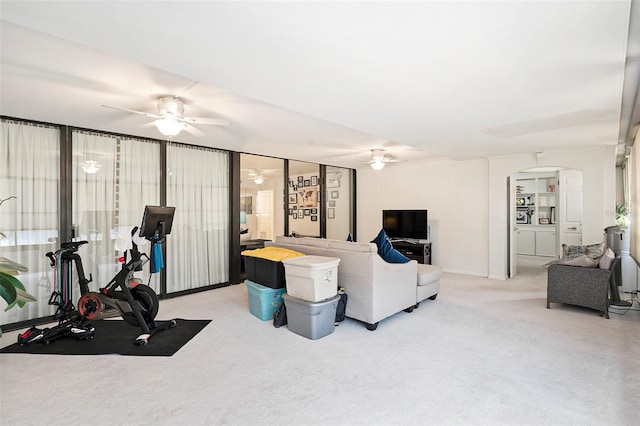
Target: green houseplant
(11,288)
(622,219)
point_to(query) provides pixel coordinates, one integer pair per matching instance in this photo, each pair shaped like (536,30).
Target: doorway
(545,211)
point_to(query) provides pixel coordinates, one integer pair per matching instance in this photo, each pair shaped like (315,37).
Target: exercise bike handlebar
(73,245)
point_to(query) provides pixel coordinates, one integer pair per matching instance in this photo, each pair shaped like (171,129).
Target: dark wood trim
(66,229)
(286,197)
(354,206)
(322,208)
(234,219)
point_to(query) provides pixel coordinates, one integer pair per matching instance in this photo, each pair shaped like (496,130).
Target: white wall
(454,192)
(468,203)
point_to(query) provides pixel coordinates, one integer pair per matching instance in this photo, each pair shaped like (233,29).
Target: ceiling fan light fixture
(90,166)
(377,164)
(169,126)
(256,175)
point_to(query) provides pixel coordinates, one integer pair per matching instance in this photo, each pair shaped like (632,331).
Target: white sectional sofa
(375,289)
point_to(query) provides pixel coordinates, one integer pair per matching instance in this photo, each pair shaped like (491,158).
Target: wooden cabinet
(415,251)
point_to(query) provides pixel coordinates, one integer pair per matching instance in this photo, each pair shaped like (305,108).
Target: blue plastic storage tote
(263,301)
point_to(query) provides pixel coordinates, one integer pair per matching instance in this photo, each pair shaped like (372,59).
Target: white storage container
(311,278)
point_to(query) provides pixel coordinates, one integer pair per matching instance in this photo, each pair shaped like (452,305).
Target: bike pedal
(31,335)
(83,333)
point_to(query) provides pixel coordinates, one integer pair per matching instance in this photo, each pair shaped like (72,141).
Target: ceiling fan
(379,159)
(256,175)
(170,119)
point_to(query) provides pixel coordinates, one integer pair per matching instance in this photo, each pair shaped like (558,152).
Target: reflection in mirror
(304,199)
(338,203)
(261,186)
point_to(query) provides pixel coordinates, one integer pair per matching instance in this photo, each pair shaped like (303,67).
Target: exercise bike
(136,303)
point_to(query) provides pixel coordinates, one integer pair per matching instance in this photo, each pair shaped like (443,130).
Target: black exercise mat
(118,337)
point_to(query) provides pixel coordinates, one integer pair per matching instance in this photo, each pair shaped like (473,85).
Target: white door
(570,208)
(264,207)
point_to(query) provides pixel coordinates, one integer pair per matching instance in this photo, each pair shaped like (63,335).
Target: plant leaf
(14,292)
(8,290)
(8,265)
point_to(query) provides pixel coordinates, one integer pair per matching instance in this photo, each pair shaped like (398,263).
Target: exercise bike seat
(73,245)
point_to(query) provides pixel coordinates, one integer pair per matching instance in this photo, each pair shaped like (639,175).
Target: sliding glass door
(198,246)
(29,181)
(113,179)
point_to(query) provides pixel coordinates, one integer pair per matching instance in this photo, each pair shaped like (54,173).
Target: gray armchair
(576,285)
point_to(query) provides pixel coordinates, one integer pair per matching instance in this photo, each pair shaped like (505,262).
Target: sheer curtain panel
(113,179)
(29,180)
(198,247)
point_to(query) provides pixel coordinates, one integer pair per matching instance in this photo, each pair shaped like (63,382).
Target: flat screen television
(405,224)
(156,219)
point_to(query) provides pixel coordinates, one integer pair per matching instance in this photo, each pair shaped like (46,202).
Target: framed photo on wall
(331,213)
(309,197)
(335,194)
(314,180)
(522,216)
(293,198)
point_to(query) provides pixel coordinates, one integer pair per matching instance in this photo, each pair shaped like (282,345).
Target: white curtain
(29,171)
(110,201)
(198,247)
(94,204)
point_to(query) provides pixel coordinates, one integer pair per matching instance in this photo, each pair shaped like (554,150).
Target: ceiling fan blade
(148,114)
(190,129)
(211,121)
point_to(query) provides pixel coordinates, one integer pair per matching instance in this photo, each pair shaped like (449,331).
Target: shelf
(540,191)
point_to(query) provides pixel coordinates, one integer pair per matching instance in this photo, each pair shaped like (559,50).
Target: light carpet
(486,352)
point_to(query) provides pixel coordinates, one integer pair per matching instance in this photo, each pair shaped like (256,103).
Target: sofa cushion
(386,250)
(582,260)
(314,242)
(593,251)
(353,246)
(607,259)
(286,240)
(428,274)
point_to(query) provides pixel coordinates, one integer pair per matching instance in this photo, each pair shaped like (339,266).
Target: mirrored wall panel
(304,199)
(339,203)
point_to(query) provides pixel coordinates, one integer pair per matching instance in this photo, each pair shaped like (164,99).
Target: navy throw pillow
(386,250)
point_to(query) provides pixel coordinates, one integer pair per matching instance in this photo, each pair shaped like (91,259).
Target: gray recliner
(580,286)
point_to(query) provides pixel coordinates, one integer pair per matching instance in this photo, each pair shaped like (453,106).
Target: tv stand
(414,251)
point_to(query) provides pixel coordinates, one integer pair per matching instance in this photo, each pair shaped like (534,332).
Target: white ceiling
(328,81)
